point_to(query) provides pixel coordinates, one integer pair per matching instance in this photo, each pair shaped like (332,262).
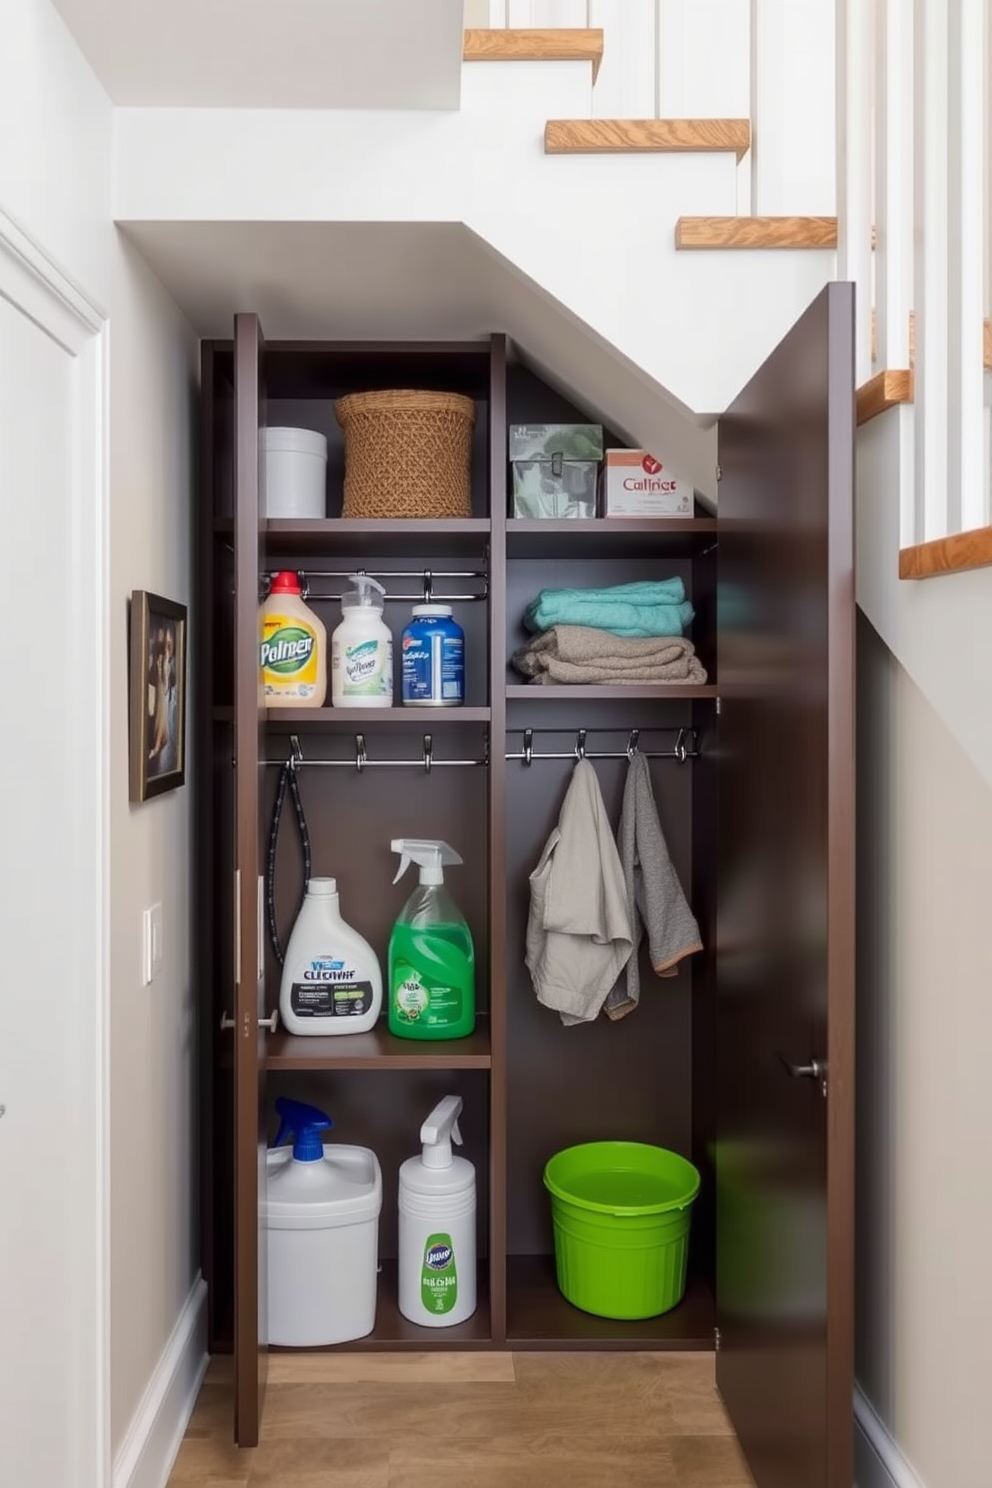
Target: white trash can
(322,1220)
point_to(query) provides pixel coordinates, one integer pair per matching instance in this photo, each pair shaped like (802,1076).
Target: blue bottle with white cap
(433,650)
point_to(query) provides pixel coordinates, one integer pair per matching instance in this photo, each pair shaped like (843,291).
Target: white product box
(635,484)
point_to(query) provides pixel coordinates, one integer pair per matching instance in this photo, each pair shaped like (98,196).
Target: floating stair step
(756,232)
(657,136)
(883,391)
(947,555)
(536,45)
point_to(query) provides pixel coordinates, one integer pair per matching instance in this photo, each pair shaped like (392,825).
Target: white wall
(55,180)
(924,1096)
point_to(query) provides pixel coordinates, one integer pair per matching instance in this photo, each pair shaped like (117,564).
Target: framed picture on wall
(157,712)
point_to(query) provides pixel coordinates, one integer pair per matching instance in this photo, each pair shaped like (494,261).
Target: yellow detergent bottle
(292,648)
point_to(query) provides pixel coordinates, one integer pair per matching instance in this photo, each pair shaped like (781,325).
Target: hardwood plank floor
(471,1421)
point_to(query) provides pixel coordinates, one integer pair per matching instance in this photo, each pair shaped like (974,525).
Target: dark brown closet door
(250,1332)
(785,941)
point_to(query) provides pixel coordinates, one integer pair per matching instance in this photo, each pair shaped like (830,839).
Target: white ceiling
(341,54)
(412,281)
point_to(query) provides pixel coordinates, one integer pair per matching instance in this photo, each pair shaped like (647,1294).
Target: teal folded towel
(633,610)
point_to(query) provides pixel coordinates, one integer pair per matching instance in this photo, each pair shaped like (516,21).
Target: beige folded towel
(577,654)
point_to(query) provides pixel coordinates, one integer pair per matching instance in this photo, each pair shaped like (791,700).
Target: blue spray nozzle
(304,1124)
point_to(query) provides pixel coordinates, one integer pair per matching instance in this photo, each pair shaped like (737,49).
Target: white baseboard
(878,1461)
(149,1449)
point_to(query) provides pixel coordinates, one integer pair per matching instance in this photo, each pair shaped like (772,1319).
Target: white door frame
(36,287)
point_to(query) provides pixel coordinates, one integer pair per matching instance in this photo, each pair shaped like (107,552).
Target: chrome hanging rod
(426,576)
(686,746)
(427,762)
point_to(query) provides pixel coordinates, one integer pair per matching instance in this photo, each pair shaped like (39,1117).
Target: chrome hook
(528,746)
(296,752)
(632,743)
(304,584)
(580,744)
(428,586)
(428,753)
(361,758)
(681,750)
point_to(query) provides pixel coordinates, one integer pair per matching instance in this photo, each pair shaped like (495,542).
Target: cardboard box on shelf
(636,484)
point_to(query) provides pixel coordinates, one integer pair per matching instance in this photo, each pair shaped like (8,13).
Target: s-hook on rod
(686,746)
(361,762)
(426,577)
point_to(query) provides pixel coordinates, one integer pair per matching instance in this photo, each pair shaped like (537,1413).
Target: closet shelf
(378,1050)
(393,1331)
(538,1317)
(633,693)
(351,538)
(421,720)
(610,537)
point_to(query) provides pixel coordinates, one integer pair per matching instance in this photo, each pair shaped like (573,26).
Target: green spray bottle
(431,955)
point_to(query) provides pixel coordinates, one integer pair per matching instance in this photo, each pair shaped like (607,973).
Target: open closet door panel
(250,1332)
(785,932)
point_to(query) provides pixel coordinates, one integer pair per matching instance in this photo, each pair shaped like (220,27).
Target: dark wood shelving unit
(635,692)
(378,1050)
(525,1077)
(538,1317)
(394,1332)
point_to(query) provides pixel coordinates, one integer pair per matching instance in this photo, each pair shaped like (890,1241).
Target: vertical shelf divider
(497,841)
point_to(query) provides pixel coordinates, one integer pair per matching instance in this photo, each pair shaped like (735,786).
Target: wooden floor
(471,1421)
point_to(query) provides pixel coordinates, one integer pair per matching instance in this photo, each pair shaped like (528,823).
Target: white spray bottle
(362,649)
(437,1226)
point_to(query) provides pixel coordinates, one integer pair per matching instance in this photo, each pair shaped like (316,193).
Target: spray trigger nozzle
(439,1131)
(433,857)
(304,1124)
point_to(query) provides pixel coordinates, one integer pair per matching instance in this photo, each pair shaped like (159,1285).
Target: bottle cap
(442,611)
(304,1124)
(322,887)
(286,582)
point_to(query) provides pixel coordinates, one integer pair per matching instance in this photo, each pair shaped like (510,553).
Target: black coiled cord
(287,776)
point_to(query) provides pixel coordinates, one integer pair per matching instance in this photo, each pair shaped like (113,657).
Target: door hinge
(719,472)
(716,1339)
(718,707)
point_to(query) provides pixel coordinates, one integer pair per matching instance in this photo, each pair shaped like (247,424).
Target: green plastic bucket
(621,1213)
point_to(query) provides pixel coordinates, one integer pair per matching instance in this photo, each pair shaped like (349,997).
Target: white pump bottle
(437,1226)
(362,649)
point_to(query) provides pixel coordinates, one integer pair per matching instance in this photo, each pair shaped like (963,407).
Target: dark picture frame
(157,695)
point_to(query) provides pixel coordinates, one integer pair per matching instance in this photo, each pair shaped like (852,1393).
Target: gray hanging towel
(654,895)
(578,931)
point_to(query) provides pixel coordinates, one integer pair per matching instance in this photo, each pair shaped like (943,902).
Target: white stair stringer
(595,234)
(937,629)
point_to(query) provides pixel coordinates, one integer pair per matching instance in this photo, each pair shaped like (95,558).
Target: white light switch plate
(152,944)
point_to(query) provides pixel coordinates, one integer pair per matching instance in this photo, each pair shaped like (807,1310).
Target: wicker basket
(407,454)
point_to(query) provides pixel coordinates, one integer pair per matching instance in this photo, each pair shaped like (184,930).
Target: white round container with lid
(294,473)
(321,1215)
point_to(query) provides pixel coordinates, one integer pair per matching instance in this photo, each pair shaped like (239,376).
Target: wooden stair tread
(621,136)
(550,44)
(947,555)
(756,232)
(883,391)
